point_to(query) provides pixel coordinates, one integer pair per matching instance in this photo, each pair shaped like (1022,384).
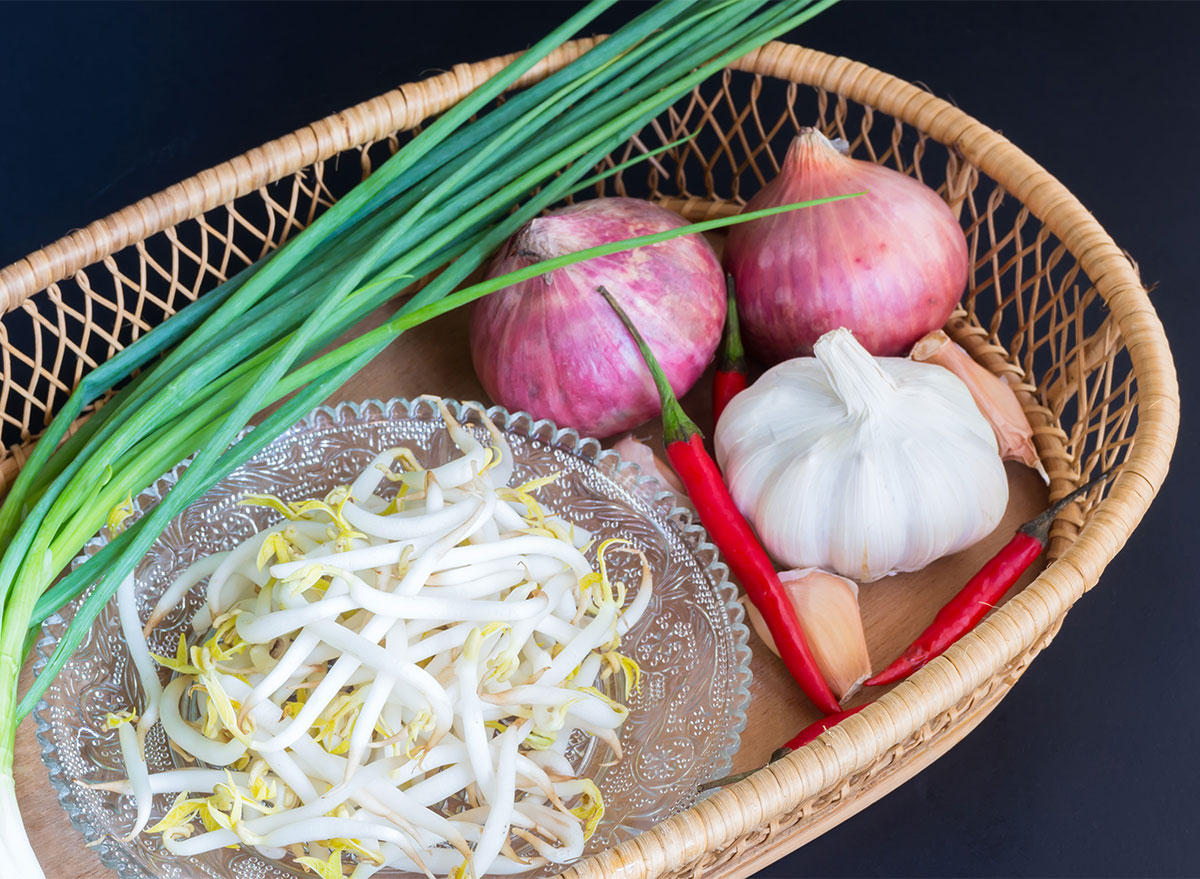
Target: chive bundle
(442,203)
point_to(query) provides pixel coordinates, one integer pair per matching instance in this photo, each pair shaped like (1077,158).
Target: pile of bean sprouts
(364,661)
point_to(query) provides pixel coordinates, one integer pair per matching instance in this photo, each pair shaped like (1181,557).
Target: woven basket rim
(976,658)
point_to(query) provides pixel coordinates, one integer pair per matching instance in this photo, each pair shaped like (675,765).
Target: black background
(1089,767)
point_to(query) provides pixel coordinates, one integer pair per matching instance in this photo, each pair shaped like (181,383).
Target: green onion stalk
(437,209)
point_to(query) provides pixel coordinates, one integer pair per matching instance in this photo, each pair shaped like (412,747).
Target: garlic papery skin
(826,606)
(859,465)
(993,395)
(630,448)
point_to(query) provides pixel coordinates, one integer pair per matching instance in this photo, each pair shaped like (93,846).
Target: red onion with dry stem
(889,265)
(553,347)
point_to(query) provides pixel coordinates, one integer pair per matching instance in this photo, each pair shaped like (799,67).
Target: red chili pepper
(730,379)
(981,593)
(729,530)
(802,738)
(810,732)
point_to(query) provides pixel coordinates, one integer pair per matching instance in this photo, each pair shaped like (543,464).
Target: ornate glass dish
(692,646)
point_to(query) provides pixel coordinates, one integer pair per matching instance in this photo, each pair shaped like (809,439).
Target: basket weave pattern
(1053,306)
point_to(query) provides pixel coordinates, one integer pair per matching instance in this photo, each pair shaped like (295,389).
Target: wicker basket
(1053,304)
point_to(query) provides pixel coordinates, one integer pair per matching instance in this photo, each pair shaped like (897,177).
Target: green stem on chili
(730,378)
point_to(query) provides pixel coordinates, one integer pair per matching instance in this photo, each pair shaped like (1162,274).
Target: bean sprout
(367,663)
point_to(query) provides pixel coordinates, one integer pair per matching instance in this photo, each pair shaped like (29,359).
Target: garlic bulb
(860,465)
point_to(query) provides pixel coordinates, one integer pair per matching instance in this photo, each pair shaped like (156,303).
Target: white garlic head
(861,465)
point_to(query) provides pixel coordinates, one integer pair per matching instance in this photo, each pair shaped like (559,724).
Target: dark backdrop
(1089,767)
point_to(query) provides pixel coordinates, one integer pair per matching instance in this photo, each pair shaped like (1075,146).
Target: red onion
(553,347)
(889,265)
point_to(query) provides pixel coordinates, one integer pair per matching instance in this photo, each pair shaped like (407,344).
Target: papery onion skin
(889,265)
(553,347)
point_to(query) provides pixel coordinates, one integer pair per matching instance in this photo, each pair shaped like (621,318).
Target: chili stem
(809,734)
(730,378)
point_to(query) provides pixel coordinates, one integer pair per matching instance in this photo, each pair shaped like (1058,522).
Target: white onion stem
(14,842)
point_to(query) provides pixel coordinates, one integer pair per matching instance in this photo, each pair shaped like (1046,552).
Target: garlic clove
(992,394)
(632,449)
(758,624)
(827,607)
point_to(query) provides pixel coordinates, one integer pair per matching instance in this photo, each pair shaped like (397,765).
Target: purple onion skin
(889,265)
(553,347)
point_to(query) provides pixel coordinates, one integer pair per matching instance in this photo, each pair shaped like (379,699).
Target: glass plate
(692,645)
